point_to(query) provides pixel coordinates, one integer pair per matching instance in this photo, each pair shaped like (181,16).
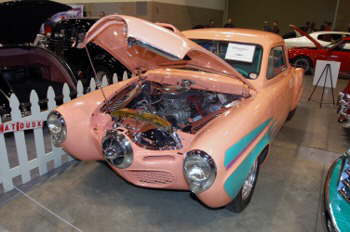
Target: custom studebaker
(188,119)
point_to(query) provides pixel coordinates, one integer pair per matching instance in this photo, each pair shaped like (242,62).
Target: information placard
(321,68)
(240,52)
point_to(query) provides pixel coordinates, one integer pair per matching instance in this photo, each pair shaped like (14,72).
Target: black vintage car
(24,67)
(64,40)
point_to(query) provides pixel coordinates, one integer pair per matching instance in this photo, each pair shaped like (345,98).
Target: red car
(307,57)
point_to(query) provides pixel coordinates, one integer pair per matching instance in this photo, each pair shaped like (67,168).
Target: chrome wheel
(250,181)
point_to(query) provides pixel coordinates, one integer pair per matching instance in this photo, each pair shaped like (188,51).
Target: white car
(323,37)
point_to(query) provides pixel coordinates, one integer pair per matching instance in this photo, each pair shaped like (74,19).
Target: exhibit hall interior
(175,115)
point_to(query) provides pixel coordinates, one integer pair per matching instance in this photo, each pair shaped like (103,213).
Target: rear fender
(298,87)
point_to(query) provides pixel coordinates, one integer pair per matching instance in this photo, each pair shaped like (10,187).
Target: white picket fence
(25,166)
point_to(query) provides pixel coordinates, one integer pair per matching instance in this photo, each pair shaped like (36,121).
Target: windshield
(244,57)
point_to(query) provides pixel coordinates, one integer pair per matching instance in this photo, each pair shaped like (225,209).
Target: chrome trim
(343,103)
(343,184)
(213,171)
(113,141)
(57,139)
(327,221)
(250,181)
(344,194)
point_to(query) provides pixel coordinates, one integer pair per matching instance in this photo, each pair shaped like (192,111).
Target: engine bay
(152,113)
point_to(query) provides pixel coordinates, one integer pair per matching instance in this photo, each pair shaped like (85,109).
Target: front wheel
(303,62)
(241,201)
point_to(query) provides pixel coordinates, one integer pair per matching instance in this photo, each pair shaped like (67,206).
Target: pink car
(188,119)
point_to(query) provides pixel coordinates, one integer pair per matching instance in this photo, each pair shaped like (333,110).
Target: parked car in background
(306,57)
(187,119)
(322,37)
(336,196)
(24,67)
(64,40)
(344,107)
(290,34)
(21,20)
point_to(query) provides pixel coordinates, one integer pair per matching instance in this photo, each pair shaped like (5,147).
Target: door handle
(333,56)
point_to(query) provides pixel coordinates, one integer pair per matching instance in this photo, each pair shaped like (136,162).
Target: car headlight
(117,149)
(57,127)
(199,170)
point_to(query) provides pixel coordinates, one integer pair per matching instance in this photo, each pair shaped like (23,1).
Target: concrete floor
(90,197)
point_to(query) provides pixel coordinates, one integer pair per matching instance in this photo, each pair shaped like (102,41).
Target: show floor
(90,197)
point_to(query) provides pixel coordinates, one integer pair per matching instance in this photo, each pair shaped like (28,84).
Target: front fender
(81,140)
(234,140)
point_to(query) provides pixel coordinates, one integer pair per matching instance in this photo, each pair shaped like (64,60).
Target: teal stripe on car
(235,181)
(338,206)
(239,148)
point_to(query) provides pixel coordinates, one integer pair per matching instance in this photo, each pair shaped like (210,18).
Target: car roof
(74,20)
(235,34)
(329,32)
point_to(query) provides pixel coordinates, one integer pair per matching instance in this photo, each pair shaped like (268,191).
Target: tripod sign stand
(328,74)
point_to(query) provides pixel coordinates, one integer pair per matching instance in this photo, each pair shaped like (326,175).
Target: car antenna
(98,82)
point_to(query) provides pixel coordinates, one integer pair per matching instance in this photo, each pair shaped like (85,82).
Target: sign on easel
(331,80)
(326,76)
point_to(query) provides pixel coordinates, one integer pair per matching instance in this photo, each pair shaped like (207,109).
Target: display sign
(20,126)
(240,52)
(329,73)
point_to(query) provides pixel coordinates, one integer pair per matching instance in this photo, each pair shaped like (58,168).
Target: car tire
(303,62)
(241,201)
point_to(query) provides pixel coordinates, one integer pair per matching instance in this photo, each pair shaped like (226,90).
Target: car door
(341,53)
(280,84)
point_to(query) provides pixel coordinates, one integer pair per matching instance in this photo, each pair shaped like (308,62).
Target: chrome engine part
(175,108)
(153,113)
(117,149)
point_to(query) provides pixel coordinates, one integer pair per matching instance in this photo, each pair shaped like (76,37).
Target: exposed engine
(152,113)
(175,108)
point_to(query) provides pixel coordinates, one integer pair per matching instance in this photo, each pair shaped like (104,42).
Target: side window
(329,37)
(345,47)
(324,37)
(336,37)
(276,63)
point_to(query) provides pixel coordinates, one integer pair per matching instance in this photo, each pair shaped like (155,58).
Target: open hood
(141,45)
(303,33)
(20,21)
